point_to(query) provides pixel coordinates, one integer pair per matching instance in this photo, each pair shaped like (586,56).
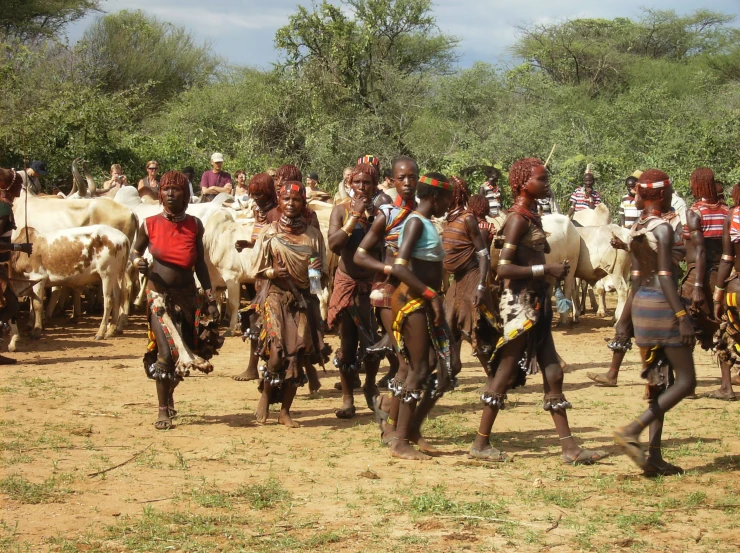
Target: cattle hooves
(11,347)
(99,337)
(36,335)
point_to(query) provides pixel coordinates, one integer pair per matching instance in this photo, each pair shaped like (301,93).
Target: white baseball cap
(217,157)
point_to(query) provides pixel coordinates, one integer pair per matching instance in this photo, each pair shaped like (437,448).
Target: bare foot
(262,411)
(285,420)
(403,450)
(389,434)
(246,376)
(422,444)
(607,380)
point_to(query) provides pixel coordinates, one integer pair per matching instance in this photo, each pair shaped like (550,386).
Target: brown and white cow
(76,258)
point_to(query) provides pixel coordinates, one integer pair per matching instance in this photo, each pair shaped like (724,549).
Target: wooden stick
(551,152)
(84,413)
(155,500)
(120,464)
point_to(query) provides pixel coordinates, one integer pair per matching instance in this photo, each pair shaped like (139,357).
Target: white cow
(599,260)
(596,217)
(76,258)
(565,243)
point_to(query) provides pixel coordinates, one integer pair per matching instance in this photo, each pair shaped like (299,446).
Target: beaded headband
(434,182)
(291,188)
(369,159)
(658,184)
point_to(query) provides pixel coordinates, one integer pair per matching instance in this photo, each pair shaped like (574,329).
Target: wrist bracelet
(481,288)
(361,250)
(726,257)
(387,269)
(399,261)
(270,273)
(483,253)
(510,246)
(635,273)
(538,271)
(504,262)
(698,285)
(347,232)
(355,214)
(428,294)
(681,313)
(718,289)
(665,273)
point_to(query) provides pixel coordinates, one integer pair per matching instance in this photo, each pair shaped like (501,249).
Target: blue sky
(242,31)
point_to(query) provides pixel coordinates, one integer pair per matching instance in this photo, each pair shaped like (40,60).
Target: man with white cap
(215,181)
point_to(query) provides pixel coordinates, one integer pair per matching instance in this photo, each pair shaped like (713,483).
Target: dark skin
(292,205)
(588,184)
(165,276)
(483,264)
(680,358)
(520,269)
(10,310)
(345,247)
(416,335)
(725,269)
(405,176)
(264,202)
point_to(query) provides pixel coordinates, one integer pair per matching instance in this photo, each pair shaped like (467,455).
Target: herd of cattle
(79,242)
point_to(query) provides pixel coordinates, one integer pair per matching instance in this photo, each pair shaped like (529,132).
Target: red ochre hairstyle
(478,205)
(9,177)
(460,196)
(263,183)
(289,173)
(367,168)
(736,195)
(703,185)
(177,179)
(651,175)
(520,172)
(298,187)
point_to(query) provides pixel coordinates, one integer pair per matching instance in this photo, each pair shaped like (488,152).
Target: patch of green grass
(635,521)
(263,496)
(211,497)
(567,498)
(51,490)
(436,502)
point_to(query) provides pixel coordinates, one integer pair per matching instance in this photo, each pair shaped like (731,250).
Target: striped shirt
(493,195)
(579,200)
(735,226)
(712,219)
(629,211)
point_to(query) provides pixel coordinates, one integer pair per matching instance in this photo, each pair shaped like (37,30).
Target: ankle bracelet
(483,435)
(638,421)
(566,437)
(390,421)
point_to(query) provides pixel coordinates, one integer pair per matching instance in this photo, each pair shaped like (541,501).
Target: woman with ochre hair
(11,184)
(525,309)
(663,330)
(284,252)
(179,339)
(423,337)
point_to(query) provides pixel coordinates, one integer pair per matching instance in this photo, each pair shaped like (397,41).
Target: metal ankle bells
(494,400)
(556,403)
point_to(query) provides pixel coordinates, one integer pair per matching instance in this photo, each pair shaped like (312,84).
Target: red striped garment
(712,219)
(579,200)
(735,225)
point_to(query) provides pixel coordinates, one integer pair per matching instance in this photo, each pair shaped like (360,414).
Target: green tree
(32,19)
(131,50)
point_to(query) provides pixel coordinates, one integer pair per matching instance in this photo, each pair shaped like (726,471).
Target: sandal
(717,394)
(602,380)
(631,448)
(585,457)
(653,469)
(163,422)
(171,412)
(488,454)
(346,413)
(380,415)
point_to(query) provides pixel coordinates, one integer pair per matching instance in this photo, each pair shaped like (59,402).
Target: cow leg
(107,305)
(125,302)
(77,305)
(592,299)
(232,289)
(599,290)
(37,307)
(114,328)
(569,289)
(56,292)
(14,335)
(622,293)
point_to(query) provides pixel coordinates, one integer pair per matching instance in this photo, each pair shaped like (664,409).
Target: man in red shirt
(216,180)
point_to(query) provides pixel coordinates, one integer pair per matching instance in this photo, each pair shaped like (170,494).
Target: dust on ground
(219,482)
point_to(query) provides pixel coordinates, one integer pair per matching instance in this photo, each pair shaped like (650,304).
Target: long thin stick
(120,464)
(551,152)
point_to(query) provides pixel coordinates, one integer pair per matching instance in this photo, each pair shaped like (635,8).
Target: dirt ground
(72,407)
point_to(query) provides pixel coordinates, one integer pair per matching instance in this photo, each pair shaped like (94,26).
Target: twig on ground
(138,403)
(121,464)
(554,524)
(155,500)
(84,413)
(287,528)
(74,447)
(492,519)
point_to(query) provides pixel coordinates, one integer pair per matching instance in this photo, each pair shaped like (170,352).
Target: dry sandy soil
(218,482)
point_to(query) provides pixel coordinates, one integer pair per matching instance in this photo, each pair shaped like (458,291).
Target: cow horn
(81,183)
(76,177)
(89,178)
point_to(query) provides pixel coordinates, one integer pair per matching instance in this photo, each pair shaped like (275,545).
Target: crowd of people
(406,292)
